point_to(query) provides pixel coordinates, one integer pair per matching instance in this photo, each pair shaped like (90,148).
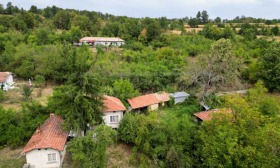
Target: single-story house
(208,115)
(163,98)
(149,102)
(47,146)
(6,80)
(105,41)
(179,97)
(113,111)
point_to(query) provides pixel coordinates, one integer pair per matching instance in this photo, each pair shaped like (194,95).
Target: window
(52,157)
(114,119)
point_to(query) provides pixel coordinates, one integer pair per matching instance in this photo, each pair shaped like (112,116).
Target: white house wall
(179,99)
(10,79)
(107,115)
(39,158)
(153,107)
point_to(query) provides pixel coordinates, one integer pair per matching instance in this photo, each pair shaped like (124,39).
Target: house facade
(105,41)
(149,102)
(6,80)
(47,146)
(179,97)
(113,111)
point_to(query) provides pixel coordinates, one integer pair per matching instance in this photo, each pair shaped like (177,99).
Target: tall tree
(79,101)
(62,20)
(214,71)
(270,70)
(204,17)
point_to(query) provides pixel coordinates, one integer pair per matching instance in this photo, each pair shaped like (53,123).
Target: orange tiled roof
(143,101)
(113,104)
(49,135)
(162,97)
(207,115)
(4,76)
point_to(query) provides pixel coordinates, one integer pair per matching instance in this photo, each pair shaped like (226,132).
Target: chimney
(52,114)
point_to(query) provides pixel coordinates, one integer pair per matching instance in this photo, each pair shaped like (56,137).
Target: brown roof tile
(49,135)
(143,101)
(207,115)
(113,104)
(4,76)
(163,97)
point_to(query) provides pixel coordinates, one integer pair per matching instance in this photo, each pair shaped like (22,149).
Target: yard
(11,158)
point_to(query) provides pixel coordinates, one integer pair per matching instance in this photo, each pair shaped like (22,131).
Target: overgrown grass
(10,158)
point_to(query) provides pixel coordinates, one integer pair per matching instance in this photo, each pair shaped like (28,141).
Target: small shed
(113,111)
(179,97)
(6,80)
(149,102)
(47,146)
(208,115)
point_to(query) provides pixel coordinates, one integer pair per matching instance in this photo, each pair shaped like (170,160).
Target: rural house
(149,102)
(208,115)
(105,41)
(46,148)
(6,80)
(179,97)
(113,111)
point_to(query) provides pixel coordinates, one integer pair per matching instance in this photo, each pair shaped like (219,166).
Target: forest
(225,55)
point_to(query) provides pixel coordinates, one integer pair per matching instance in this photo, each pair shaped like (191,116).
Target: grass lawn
(11,158)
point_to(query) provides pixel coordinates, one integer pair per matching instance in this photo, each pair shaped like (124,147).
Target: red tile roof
(49,135)
(207,115)
(143,101)
(113,104)
(162,97)
(4,76)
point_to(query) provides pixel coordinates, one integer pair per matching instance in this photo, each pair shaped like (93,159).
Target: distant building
(6,80)
(179,97)
(113,111)
(149,102)
(47,146)
(208,115)
(105,41)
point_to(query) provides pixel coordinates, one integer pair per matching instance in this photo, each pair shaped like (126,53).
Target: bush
(2,95)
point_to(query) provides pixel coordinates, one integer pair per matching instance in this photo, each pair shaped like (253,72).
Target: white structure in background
(113,111)
(105,41)
(6,80)
(179,97)
(46,148)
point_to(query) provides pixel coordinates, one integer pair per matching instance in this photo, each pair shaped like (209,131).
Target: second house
(113,111)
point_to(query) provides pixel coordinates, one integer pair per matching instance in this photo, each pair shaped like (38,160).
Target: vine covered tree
(214,71)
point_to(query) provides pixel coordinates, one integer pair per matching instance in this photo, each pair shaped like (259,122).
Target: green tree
(214,71)
(124,89)
(34,9)
(270,68)
(193,22)
(78,101)
(26,91)
(218,20)
(91,152)
(204,17)
(62,20)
